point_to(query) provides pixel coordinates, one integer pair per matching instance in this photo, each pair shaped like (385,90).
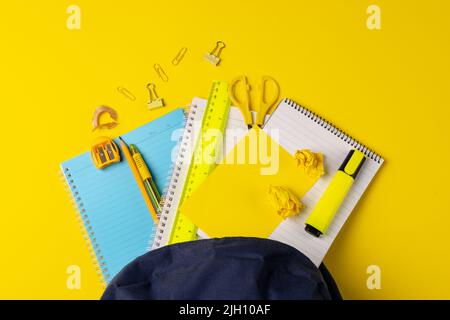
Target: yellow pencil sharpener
(104,152)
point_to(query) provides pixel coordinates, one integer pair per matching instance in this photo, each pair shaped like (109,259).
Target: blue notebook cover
(109,202)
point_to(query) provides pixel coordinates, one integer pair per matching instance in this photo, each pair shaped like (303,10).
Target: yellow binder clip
(154,102)
(213,57)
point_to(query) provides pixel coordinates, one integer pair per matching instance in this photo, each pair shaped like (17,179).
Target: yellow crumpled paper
(311,162)
(284,201)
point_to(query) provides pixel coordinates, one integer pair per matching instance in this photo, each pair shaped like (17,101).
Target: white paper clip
(214,56)
(154,101)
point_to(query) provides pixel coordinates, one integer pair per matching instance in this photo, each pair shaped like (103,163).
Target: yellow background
(389,88)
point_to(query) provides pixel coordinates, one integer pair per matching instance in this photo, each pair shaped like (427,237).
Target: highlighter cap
(353,163)
(311,230)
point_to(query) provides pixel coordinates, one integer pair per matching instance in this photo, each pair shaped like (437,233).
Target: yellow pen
(137,177)
(146,177)
(323,213)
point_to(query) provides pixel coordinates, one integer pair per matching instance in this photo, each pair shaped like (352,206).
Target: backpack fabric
(223,269)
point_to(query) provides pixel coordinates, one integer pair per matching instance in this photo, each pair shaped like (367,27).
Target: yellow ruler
(208,149)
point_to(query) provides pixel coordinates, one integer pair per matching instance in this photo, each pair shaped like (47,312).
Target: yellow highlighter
(320,218)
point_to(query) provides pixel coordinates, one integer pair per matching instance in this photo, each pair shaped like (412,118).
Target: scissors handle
(265,107)
(243,105)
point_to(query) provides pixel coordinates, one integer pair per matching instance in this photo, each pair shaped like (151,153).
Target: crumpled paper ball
(284,201)
(311,162)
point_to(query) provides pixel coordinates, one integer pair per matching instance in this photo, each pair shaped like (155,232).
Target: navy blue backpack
(219,269)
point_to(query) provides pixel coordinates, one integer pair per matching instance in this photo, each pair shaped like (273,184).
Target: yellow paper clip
(126,93)
(214,56)
(160,72)
(154,101)
(179,56)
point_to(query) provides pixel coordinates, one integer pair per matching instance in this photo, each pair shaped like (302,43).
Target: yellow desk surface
(388,87)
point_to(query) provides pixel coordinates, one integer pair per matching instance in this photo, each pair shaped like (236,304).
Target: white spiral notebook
(298,128)
(235,130)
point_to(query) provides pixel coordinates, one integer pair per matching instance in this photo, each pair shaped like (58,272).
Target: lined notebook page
(298,129)
(235,130)
(109,201)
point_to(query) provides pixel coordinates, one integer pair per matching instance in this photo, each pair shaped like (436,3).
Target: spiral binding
(173,184)
(334,130)
(172,166)
(86,229)
(164,192)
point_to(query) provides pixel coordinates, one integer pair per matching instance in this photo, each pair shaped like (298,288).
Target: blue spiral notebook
(114,216)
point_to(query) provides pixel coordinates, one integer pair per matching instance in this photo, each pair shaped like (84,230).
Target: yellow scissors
(265,107)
